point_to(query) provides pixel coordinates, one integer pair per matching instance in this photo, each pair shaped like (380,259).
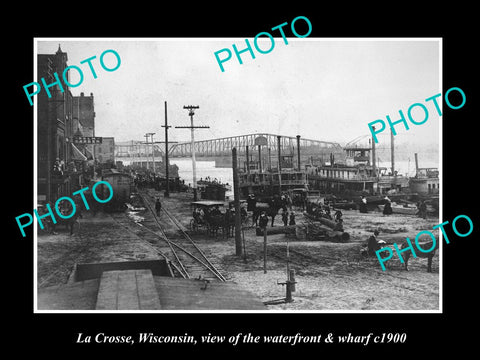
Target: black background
(54,335)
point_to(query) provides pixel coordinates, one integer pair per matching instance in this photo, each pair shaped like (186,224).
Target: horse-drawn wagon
(206,215)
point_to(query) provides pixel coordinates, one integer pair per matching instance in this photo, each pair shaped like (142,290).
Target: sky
(322,89)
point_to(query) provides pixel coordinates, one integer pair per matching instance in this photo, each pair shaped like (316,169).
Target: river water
(225,175)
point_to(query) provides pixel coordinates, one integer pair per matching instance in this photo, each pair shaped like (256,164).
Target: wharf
(133,290)
(107,265)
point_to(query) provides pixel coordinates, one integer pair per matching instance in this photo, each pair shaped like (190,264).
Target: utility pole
(236,196)
(167,190)
(146,147)
(146,150)
(192,128)
(153,155)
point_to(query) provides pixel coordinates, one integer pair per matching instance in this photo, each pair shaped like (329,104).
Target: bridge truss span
(222,147)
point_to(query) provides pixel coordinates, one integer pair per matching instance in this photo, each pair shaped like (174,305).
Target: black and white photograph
(253,187)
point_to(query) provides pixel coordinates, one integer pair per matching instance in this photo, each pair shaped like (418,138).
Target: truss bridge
(220,150)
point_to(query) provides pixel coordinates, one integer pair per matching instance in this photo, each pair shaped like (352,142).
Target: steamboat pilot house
(354,173)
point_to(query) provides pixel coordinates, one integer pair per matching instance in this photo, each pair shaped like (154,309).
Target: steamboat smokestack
(279,164)
(392,156)
(259,158)
(248,160)
(416,164)
(373,155)
(298,153)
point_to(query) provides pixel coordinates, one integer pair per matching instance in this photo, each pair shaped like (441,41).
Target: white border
(35,199)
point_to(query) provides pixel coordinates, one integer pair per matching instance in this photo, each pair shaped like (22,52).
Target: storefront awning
(89,153)
(77,154)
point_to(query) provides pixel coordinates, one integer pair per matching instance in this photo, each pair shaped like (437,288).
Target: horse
(229,223)
(429,255)
(273,205)
(214,222)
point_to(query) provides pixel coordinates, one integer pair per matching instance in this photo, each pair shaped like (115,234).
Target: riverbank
(330,276)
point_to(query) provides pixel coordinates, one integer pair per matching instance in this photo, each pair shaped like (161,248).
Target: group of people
(288,219)
(58,167)
(318,210)
(200,213)
(145,180)
(387,208)
(214,180)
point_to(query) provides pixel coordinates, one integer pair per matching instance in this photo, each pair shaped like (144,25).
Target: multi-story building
(84,121)
(105,152)
(59,161)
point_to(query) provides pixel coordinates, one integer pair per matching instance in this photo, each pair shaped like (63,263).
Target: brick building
(59,162)
(84,121)
(84,113)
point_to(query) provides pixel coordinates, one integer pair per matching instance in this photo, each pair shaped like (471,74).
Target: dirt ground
(330,276)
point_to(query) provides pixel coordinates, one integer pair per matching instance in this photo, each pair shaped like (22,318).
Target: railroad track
(185,256)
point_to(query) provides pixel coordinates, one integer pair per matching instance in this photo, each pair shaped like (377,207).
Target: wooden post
(244,250)
(192,146)
(291,278)
(236,195)
(167,189)
(288,261)
(264,250)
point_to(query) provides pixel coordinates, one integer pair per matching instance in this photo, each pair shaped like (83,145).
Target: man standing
(423,209)
(387,209)
(285,218)
(263,220)
(292,218)
(158,206)
(363,205)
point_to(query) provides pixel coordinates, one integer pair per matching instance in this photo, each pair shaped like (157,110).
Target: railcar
(121,184)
